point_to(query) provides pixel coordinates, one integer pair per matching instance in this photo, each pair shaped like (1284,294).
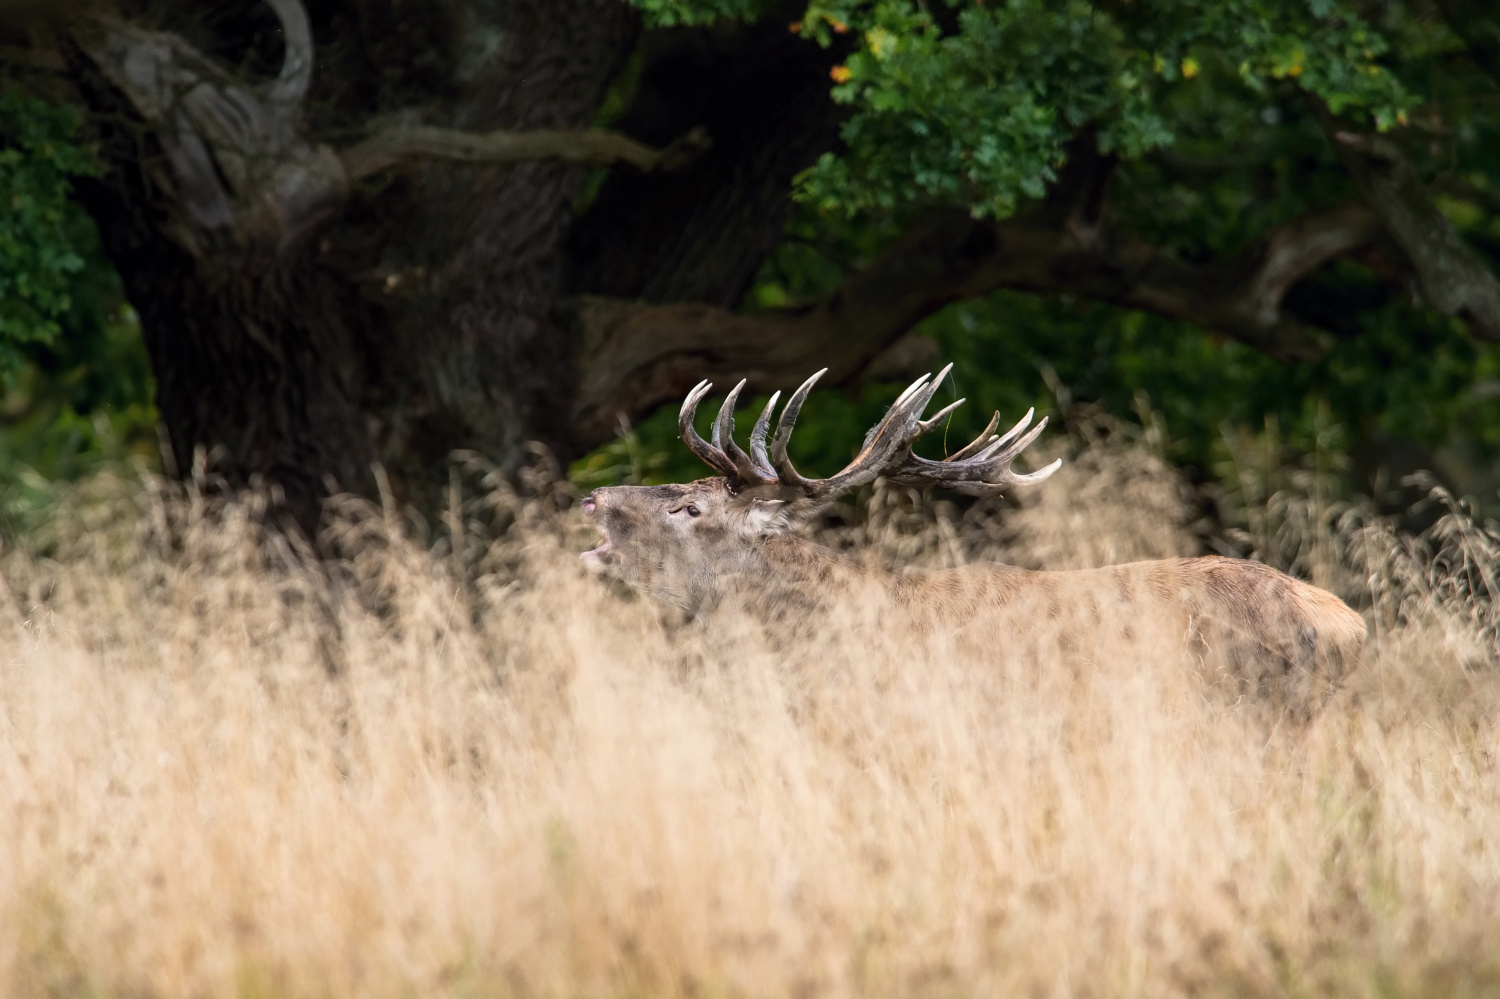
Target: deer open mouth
(593,559)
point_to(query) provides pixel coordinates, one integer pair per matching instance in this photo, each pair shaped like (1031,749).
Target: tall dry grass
(463,769)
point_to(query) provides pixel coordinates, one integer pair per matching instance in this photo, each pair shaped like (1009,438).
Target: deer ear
(767,516)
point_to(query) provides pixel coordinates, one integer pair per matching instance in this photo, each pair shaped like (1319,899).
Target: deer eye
(693,511)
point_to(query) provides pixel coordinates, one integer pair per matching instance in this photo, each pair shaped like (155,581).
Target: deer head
(682,542)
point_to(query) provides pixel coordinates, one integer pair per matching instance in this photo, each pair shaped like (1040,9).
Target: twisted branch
(247,175)
(633,356)
(1454,279)
(393,146)
(297,65)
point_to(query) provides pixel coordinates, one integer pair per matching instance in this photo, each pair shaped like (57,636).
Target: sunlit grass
(470,770)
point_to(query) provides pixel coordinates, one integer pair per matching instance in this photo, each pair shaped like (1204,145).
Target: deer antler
(724,455)
(982,468)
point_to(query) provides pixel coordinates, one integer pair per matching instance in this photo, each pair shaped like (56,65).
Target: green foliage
(79,404)
(978,116)
(1406,375)
(38,256)
(75,382)
(625,461)
(974,103)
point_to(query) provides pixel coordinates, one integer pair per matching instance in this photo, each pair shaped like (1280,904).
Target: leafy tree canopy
(38,256)
(973,103)
(77,383)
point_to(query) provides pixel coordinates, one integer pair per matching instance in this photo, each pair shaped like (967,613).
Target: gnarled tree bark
(307,317)
(1453,278)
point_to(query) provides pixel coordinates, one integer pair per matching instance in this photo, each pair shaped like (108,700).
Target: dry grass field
(439,769)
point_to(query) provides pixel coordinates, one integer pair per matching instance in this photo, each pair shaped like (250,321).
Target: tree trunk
(416,319)
(266,371)
(473,279)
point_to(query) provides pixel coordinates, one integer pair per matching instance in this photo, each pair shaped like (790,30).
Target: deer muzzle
(594,558)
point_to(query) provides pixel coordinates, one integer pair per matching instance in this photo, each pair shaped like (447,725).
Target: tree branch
(290,86)
(1454,279)
(245,172)
(397,144)
(635,356)
(244,175)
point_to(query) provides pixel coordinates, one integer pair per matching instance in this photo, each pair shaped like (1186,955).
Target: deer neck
(799,556)
(773,573)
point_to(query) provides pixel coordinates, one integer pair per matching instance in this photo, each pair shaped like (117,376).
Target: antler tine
(917,426)
(997,456)
(1030,478)
(882,446)
(746,473)
(984,440)
(758,435)
(1011,479)
(723,429)
(914,386)
(895,410)
(904,418)
(784,427)
(925,393)
(908,407)
(999,453)
(1021,425)
(980,468)
(999,442)
(722,435)
(937,417)
(984,474)
(707,453)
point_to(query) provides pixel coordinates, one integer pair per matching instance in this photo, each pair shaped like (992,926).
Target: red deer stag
(694,545)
